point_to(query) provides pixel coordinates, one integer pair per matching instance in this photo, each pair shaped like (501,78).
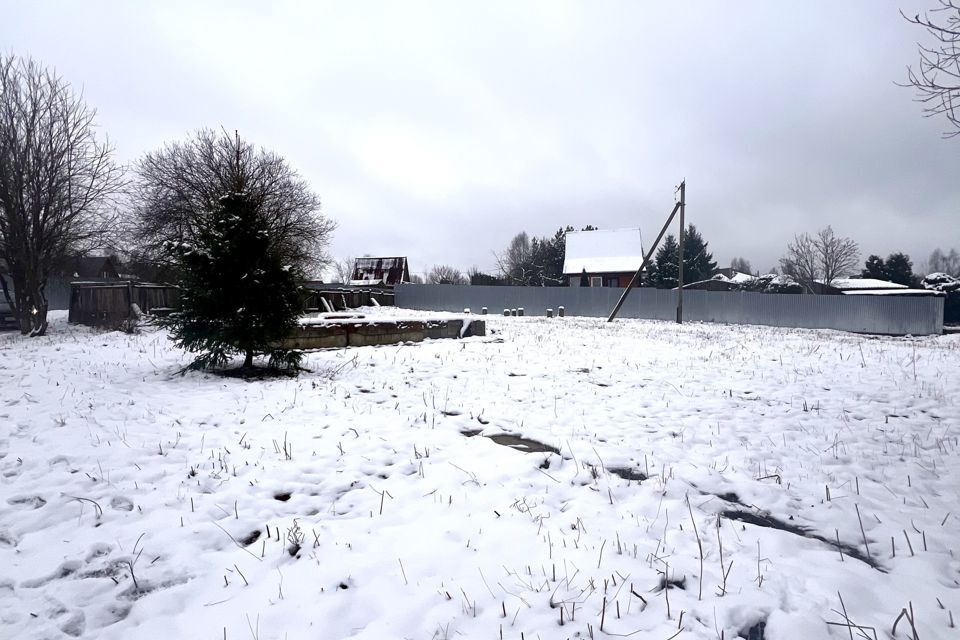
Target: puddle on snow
(627,473)
(519,443)
(771,522)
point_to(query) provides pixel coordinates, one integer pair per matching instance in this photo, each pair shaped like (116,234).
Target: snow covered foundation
(360,332)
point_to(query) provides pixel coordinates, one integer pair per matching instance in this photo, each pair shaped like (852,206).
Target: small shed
(380,272)
(603,257)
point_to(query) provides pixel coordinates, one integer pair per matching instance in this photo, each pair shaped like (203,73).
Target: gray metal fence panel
(888,315)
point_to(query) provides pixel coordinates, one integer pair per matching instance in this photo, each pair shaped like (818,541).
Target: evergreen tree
(874,267)
(899,269)
(237,296)
(698,263)
(534,262)
(556,257)
(664,273)
(545,265)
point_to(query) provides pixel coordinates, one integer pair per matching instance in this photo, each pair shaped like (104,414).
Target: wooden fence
(109,305)
(341,298)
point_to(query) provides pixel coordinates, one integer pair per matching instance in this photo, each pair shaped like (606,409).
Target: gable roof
(386,271)
(603,251)
(91,267)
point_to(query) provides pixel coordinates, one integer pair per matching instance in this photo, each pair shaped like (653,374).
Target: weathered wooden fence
(109,304)
(339,299)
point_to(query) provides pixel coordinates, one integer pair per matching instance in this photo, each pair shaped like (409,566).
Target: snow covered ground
(135,503)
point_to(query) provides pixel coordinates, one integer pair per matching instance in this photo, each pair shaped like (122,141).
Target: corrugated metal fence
(887,315)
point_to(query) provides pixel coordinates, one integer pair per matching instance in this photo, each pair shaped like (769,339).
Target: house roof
(859,284)
(738,277)
(603,251)
(894,292)
(91,267)
(387,271)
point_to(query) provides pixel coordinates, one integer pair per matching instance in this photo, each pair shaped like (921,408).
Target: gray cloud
(438,130)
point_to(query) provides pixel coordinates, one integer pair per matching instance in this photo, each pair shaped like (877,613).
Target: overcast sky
(439,130)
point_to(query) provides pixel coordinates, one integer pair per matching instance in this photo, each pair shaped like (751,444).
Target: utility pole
(683,199)
(636,277)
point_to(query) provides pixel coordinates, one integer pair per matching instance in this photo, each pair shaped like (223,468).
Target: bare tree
(56,184)
(937,77)
(176,184)
(514,263)
(823,257)
(941,262)
(342,270)
(742,265)
(445,274)
(839,257)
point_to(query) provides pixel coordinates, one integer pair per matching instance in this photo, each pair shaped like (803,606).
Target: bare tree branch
(937,77)
(342,270)
(57,184)
(176,184)
(823,257)
(445,274)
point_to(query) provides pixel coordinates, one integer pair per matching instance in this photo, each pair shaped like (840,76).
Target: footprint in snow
(121,504)
(33,502)
(8,538)
(72,623)
(65,570)
(98,550)
(75,624)
(115,612)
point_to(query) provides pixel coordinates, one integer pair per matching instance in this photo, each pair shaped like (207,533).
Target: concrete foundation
(359,332)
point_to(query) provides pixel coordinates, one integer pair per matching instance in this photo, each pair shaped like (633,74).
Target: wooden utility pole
(683,198)
(643,265)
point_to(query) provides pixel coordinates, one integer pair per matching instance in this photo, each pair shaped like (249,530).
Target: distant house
(603,257)
(380,272)
(100,267)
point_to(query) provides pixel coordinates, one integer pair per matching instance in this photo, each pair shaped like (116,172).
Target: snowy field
(135,503)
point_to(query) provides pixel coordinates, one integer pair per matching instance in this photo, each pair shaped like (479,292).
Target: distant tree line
(533,262)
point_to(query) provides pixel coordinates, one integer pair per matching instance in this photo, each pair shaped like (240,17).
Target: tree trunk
(248,360)
(32,307)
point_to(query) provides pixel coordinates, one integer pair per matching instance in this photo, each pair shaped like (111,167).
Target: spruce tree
(899,269)
(236,294)
(874,268)
(698,263)
(665,270)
